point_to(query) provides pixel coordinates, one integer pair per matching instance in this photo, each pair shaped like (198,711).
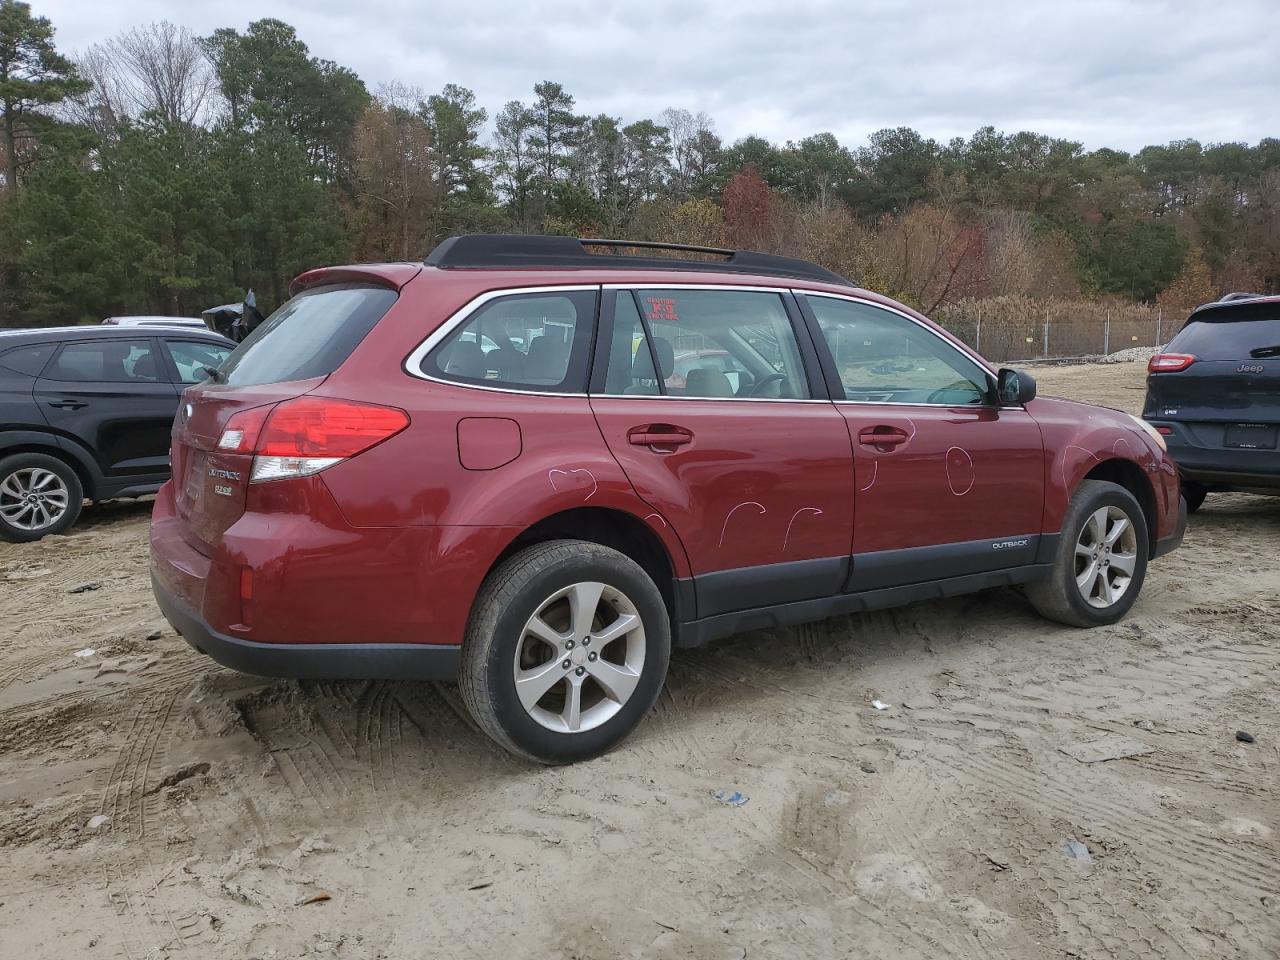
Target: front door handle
(659,435)
(68,404)
(883,436)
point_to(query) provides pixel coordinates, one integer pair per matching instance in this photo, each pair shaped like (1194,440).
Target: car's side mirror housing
(1015,387)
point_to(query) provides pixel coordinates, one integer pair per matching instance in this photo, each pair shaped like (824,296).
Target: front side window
(106,361)
(722,344)
(530,341)
(194,359)
(882,357)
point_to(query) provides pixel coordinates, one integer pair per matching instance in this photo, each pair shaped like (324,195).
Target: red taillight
(300,437)
(1169,362)
(1164,431)
(319,427)
(240,435)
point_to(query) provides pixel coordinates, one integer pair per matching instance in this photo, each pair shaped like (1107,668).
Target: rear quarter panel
(417,478)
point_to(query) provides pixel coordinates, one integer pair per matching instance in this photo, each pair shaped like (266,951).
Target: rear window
(310,336)
(1230,339)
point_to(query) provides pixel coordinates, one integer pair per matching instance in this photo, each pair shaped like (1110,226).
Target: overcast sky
(1118,73)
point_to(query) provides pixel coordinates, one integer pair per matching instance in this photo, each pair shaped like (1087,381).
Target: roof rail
(515,250)
(1232,297)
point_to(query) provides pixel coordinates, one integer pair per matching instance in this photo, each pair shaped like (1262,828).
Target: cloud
(1118,73)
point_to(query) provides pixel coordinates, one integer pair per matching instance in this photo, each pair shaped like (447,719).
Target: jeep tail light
(1169,362)
(304,436)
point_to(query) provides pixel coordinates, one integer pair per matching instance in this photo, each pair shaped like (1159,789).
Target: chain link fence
(1019,328)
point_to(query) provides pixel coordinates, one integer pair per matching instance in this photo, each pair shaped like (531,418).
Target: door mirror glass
(1015,387)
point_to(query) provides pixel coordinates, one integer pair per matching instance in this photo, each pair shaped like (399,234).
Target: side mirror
(1015,387)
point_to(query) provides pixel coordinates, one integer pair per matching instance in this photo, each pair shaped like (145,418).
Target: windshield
(310,336)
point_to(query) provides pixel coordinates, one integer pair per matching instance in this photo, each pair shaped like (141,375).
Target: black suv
(1215,395)
(86,412)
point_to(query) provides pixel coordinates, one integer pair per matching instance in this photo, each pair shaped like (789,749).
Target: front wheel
(566,651)
(1101,560)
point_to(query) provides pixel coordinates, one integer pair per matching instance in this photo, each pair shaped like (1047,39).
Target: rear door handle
(883,436)
(68,404)
(659,435)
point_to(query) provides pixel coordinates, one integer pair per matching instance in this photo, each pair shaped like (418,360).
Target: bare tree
(106,103)
(396,189)
(169,73)
(159,68)
(688,133)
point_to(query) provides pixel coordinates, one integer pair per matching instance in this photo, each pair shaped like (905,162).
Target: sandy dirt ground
(153,804)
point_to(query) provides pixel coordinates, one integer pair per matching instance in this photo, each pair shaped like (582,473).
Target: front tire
(39,495)
(1101,561)
(566,651)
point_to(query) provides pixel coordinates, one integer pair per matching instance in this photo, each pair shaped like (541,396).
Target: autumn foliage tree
(749,210)
(1191,287)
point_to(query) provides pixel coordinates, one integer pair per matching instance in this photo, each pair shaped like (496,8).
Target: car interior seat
(708,382)
(642,375)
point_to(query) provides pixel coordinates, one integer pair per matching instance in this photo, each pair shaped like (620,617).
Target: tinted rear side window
(1230,339)
(29,359)
(310,336)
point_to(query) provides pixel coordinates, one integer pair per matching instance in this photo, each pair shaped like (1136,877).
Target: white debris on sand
(1131,355)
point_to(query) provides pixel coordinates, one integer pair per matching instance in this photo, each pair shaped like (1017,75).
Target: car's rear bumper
(1201,458)
(1174,540)
(310,661)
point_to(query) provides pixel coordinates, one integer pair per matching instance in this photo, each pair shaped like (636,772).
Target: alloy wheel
(579,657)
(1106,556)
(33,498)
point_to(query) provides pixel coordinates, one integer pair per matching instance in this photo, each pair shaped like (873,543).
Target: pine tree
(33,75)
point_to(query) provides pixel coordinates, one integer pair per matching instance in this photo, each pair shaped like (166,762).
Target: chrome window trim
(413,363)
(962,350)
(655,396)
(699,286)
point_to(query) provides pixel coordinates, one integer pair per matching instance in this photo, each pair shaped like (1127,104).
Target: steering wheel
(937,395)
(765,381)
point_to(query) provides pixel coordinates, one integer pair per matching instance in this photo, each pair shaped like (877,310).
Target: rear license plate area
(195,476)
(1250,436)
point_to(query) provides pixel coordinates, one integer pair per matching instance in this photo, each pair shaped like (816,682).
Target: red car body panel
(746,491)
(1079,437)
(963,474)
(392,545)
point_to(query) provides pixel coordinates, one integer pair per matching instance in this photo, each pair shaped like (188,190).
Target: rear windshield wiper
(1261,352)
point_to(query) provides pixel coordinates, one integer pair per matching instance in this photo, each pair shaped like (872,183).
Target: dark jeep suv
(1214,393)
(86,412)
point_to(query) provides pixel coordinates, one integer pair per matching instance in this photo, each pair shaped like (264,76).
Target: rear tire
(1194,494)
(39,495)
(566,651)
(1101,561)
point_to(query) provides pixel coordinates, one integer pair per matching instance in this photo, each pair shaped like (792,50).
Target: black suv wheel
(39,495)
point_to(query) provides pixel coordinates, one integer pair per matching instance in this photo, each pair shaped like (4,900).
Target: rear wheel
(565,652)
(39,495)
(1194,493)
(1101,560)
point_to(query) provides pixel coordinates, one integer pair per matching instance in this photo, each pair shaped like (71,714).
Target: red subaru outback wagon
(485,468)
